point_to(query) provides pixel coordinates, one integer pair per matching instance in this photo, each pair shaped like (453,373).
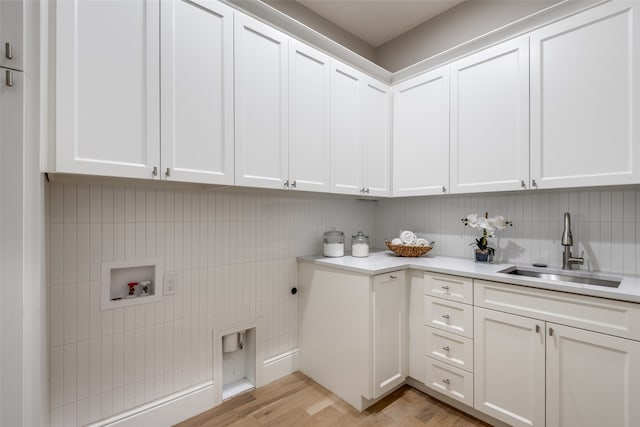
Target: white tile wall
(605,224)
(235,254)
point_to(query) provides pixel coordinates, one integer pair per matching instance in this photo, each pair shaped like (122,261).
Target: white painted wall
(235,255)
(605,225)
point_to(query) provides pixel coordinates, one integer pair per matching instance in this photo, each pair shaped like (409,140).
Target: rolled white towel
(396,241)
(422,242)
(408,237)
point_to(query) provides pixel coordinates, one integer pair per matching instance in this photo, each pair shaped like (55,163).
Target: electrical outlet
(170,284)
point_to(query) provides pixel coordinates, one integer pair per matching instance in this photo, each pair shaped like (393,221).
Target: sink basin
(564,276)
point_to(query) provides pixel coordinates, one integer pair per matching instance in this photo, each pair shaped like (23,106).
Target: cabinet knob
(8,50)
(8,78)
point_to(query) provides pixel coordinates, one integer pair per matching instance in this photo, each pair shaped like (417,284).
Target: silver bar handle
(447,349)
(523,184)
(168,172)
(286,183)
(534,183)
(9,78)
(446,316)
(366,190)
(393,277)
(293,184)
(445,287)
(444,189)
(550,332)
(154,172)
(8,50)
(538,328)
(446,381)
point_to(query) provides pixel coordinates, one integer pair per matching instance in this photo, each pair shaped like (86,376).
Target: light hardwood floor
(296,400)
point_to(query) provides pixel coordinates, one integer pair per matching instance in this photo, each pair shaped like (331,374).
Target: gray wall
(459,24)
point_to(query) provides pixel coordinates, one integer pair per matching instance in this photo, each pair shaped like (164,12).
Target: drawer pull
(550,332)
(537,328)
(445,287)
(446,381)
(447,349)
(393,277)
(446,316)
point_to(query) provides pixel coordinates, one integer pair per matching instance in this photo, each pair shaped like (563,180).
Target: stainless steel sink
(564,276)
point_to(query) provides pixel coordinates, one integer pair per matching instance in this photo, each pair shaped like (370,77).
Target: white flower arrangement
(488,227)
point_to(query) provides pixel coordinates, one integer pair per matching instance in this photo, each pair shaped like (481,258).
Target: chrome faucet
(567,242)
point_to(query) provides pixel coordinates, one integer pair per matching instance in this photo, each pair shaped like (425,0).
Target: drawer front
(449,316)
(618,318)
(449,348)
(453,288)
(394,276)
(455,383)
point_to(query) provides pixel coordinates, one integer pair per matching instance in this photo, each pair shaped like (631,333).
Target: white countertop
(387,261)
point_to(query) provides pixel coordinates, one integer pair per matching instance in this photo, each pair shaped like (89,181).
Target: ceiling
(377,21)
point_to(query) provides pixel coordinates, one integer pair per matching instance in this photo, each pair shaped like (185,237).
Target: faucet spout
(567,241)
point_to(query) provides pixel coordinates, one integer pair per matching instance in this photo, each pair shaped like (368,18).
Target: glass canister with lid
(333,243)
(360,245)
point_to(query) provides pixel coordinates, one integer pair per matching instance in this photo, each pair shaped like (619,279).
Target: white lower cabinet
(352,331)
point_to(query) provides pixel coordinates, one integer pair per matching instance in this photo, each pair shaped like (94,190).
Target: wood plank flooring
(296,400)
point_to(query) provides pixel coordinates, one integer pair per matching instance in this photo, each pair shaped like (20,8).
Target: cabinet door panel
(585,94)
(421,134)
(509,357)
(592,379)
(490,119)
(197,91)
(261,79)
(389,329)
(376,138)
(346,161)
(309,91)
(107,87)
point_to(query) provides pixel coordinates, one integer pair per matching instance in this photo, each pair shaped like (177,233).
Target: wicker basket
(408,251)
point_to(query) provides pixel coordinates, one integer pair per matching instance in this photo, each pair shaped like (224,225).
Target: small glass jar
(360,245)
(333,243)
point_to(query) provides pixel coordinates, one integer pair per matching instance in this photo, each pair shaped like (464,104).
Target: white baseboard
(178,407)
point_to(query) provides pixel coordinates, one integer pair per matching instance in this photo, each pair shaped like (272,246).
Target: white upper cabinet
(197,91)
(376,138)
(309,118)
(261,104)
(585,96)
(421,134)
(108,87)
(346,100)
(11,38)
(490,119)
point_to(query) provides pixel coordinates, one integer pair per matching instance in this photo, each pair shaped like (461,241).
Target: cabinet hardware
(445,287)
(8,50)
(446,381)
(362,190)
(446,316)
(522,184)
(286,183)
(366,190)
(154,172)
(168,172)
(293,184)
(444,190)
(550,332)
(534,183)
(538,328)
(393,277)
(9,78)
(447,349)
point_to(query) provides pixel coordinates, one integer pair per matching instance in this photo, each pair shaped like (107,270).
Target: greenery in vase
(488,227)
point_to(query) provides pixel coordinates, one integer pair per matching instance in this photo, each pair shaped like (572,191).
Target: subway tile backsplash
(235,256)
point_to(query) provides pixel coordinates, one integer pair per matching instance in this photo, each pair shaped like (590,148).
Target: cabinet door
(421,134)
(107,87)
(490,119)
(346,161)
(376,138)
(592,379)
(309,137)
(11,34)
(509,358)
(585,96)
(197,91)
(389,330)
(261,81)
